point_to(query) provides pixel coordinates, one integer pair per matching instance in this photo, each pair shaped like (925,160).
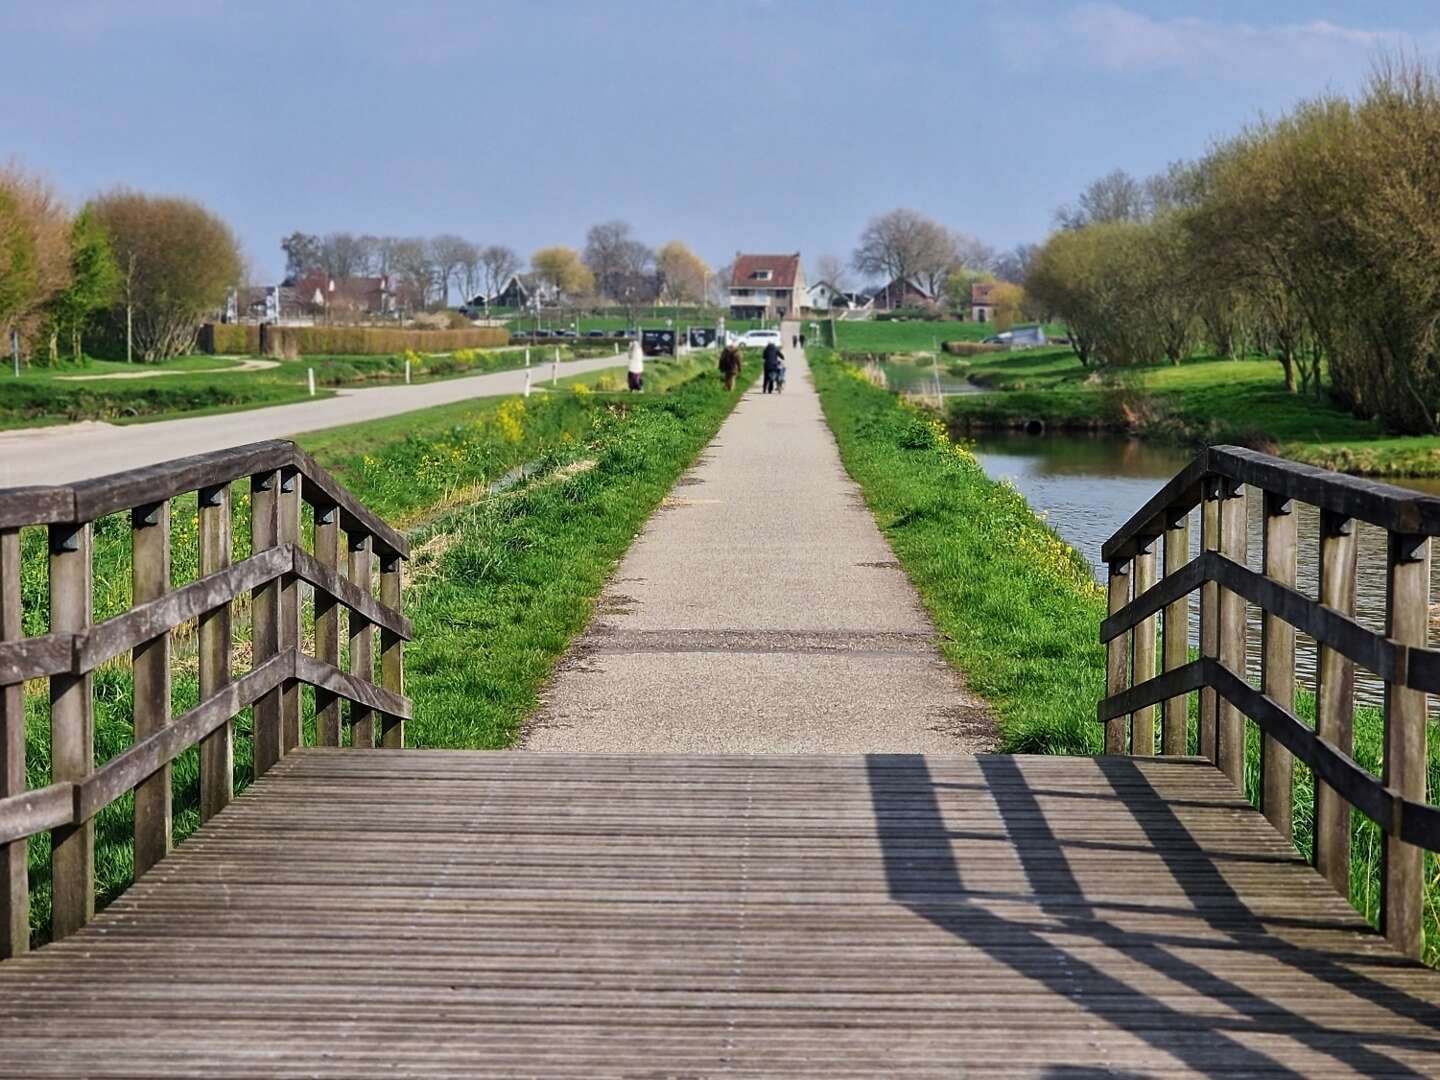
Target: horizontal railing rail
(1216,483)
(345,538)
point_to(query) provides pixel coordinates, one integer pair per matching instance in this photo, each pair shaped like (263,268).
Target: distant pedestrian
(802,341)
(780,376)
(774,362)
(635,370)
(730,362)
(794,341)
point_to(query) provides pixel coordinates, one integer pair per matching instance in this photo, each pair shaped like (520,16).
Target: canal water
(1086,487)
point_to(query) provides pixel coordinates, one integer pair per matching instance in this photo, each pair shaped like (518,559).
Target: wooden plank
(14,881)
(362,637)
(36,658)
(1175,649)
(1278,663)
(1233,630)
(1335,699)
(150,666)
(326,577)
(265,618)
(1209,614)
(27,813)
(153,483)
(1178,496)
(72,731)
(150,756)
(1407,620)
(35,505)
(353,688)
(217,750)
(288,527)
(1117,657)
(207,593)
(1142,668)
(392,654)
(321,489)
(1182,680)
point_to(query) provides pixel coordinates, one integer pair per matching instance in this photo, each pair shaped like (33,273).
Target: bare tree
(411,259)
(616,258)
(1012,265)
(451,255)
(1116,196)
(904,245)
(344,254)
(499,264)
(832,268)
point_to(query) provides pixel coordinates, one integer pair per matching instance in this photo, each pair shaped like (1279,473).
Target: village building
(767,287)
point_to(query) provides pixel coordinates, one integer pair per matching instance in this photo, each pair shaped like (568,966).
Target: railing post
(72,731)
(1175,717)
(1230,721)
(1278,664)
(1142,725)
(327,623)
(362,654)
(392,649)
(1335,699)
(1117,652)
(1209,612)
(265,618)
(217,750)
(1407,611)
(288,527)
(150,664)
(14,880)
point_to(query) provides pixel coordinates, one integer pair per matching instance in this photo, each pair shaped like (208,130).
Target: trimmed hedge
(283,342)
(229,339)
(970,348)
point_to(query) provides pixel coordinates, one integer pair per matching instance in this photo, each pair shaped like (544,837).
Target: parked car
(565,333)
(540,333)
(758,339)
(596,333)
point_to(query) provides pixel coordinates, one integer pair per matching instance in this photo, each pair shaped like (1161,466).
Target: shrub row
(289,342)
(969,348)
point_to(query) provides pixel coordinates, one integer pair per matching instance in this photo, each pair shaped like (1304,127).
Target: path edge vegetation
(1020,611)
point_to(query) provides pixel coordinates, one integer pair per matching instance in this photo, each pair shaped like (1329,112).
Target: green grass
(499,583)
(39,398)
(1201,402)
(1020,612)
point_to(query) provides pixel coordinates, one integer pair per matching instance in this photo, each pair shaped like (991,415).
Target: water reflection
(1086,487)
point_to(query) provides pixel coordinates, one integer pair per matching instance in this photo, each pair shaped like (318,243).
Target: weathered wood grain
(1335,698)
(217,749)
(362,636)
(1277,773)
(1175,648)
(150,666)
(268,740)
(14,878)
(72,731)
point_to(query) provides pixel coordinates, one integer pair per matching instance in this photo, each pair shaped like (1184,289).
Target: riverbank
(1023,613)
(1018,607)
(1200,402)
(501,576)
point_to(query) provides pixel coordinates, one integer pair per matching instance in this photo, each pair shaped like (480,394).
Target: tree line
(613,265)
(138,271)
(1313,238)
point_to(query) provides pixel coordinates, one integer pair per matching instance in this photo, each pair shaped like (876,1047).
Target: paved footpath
(761,611)
(58,455)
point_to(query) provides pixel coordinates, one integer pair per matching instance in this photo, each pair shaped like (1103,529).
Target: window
(760,275)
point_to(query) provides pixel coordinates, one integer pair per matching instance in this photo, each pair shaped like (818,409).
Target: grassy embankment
(1203,401)
(200,385)
(498,583)
(1018,608)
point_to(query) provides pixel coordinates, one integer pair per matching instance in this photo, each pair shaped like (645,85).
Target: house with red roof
(767,286)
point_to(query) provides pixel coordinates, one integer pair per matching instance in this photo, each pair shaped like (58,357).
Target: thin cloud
(1121,40)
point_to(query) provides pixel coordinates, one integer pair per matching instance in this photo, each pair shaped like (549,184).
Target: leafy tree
(18,278)
(683,274)
(1008,299)
(302,254)
(94,278)
(177,261)
(560,268)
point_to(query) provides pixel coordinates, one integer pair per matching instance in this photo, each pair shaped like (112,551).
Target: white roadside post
(527,357)
(555,371)
(310,372)
(527,384)
(407,371)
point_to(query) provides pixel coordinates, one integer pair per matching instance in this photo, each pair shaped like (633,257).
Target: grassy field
(497,585)
(1203,401)
(192,386)
(1020,611)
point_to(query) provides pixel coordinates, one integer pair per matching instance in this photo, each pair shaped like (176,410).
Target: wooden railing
(1216,481)
(280,476)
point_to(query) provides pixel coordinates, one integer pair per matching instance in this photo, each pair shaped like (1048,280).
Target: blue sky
(755,124)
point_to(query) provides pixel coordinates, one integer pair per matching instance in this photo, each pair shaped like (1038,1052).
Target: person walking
(730,362)
(635,369)
(774,361)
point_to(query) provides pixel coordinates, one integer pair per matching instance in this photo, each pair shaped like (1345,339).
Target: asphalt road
(55,455)
(761,611)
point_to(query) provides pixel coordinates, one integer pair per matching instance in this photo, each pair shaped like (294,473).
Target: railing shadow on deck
(915,843)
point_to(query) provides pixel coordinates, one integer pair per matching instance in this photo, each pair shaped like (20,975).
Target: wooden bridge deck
(389,913)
